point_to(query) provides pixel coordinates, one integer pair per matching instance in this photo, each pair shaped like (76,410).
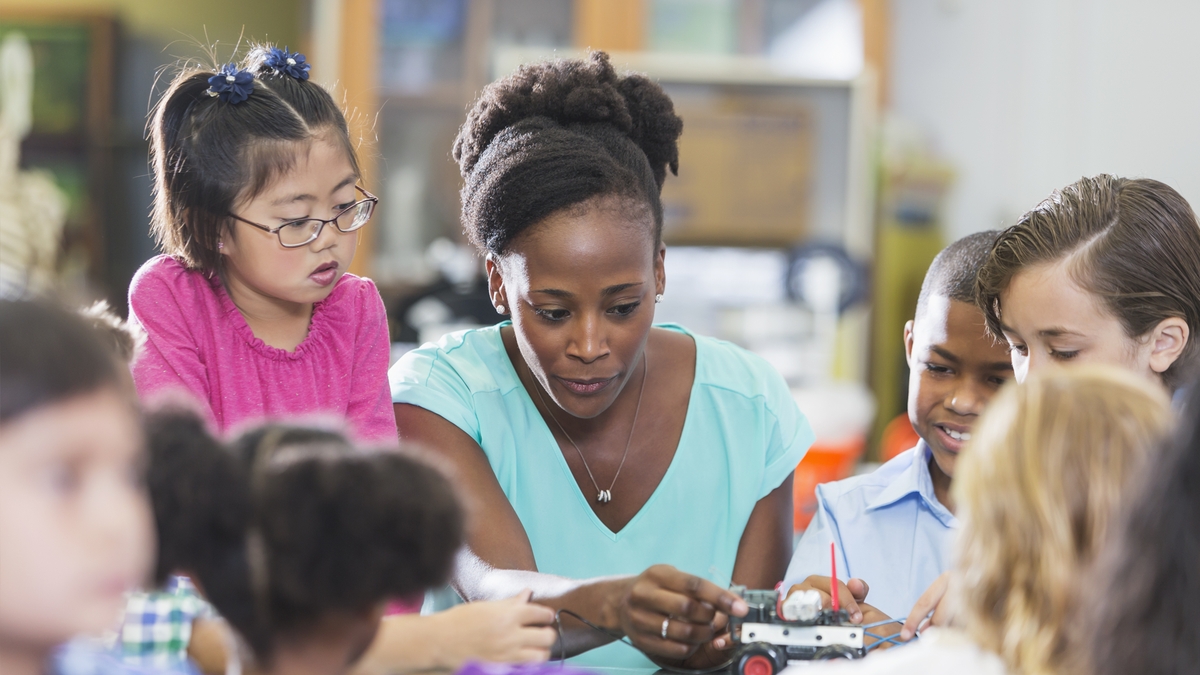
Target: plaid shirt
(85,656)
(158,625)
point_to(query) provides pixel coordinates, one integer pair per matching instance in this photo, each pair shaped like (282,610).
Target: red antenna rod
(833,584)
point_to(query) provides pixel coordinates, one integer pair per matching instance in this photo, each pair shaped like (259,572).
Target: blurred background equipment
(910,229)
(96,72)
(32,207)
(56,160)
(828,282)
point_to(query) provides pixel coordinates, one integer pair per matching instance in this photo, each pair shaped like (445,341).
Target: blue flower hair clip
(285,63)
(231,85)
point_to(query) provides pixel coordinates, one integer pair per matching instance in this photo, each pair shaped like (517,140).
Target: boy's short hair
(952,273)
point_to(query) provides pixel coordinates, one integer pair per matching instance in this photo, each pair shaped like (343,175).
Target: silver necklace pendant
(602,496)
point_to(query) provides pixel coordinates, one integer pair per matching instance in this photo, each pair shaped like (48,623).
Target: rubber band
(881,623)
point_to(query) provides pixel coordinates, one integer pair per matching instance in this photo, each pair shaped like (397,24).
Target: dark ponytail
(201,498)
(208,153)
(290,524)
(556,134)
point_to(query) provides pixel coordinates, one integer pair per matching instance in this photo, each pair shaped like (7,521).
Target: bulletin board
(745,171)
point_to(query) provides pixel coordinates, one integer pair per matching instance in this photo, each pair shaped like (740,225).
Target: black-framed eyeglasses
(297,233)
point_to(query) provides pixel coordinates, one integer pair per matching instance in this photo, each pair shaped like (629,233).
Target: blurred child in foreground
(1144,616)
(298,539)
(1052,463)
(76,531)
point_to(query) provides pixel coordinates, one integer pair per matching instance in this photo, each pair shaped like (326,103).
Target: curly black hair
(289,524)
(556,134)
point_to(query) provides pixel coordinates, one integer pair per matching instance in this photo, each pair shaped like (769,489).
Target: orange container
(898,436)
(825,462)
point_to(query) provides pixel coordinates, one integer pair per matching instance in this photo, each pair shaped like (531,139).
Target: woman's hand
(514,630)
(715,652)
(693,611)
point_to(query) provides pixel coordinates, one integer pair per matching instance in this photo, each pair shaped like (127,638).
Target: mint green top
(742,437)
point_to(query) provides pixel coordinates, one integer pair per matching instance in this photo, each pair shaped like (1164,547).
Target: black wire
(622,639)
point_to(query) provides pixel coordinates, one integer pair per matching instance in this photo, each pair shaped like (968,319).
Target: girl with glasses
(258,209)
(250,311)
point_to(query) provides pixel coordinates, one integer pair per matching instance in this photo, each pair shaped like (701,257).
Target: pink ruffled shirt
(199,343)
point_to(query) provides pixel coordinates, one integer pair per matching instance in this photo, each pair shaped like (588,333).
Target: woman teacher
(624,472)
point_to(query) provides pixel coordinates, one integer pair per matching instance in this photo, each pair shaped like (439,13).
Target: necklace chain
(602,496)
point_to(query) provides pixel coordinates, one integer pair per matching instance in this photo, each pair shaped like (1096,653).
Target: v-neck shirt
(743,435)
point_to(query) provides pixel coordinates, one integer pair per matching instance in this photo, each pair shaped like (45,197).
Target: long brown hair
(1134,242)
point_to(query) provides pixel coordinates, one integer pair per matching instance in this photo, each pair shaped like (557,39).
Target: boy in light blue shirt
(893,528)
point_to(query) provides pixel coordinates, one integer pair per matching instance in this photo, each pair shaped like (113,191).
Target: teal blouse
(742,436)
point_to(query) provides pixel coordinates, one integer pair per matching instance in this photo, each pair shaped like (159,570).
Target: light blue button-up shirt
(890,531)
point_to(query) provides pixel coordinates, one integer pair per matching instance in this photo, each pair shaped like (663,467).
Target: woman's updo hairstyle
(290,524)
(208,153)
(556,134)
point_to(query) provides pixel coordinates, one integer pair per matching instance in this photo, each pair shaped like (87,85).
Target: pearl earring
(500,309)
(658,298)
(220,245)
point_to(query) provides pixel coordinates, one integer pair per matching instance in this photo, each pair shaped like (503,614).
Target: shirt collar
(915,479)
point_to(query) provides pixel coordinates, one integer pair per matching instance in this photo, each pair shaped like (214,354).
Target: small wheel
(757,664)
(835,652)
(760,658)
